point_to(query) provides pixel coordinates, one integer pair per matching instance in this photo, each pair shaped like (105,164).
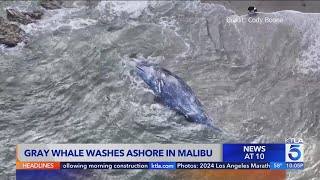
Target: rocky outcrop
(10,34)
(23,17)
(51,4)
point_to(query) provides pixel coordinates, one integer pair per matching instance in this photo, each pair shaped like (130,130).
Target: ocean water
(71,83)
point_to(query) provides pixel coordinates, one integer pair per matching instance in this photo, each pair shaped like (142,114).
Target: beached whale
(172,91)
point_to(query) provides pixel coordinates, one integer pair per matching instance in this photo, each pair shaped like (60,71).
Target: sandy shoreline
(241,7)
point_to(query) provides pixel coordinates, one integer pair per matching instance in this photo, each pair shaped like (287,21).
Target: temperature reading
(277,165)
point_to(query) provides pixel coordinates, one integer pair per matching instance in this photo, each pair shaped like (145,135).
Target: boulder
(36,14)
(51,4)
(10,34)
(23,17)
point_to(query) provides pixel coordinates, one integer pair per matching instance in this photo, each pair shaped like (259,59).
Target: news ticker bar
(293,152)
(162,165)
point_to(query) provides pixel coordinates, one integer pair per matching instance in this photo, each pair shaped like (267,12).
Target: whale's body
(172,91)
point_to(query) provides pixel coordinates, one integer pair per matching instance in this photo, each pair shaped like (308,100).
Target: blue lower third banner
(254,152)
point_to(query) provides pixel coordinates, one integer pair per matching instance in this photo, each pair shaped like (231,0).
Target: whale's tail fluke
(216,129)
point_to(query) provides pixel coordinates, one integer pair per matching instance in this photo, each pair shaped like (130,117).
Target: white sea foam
(170,23)
(22,5)
(116,8)
(307,24)
(54,19)
(309,59)
(304,24)
(2,48)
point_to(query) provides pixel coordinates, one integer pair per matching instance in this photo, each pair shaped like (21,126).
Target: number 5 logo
(294,152)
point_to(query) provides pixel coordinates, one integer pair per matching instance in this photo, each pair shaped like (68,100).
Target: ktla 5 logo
(294,153)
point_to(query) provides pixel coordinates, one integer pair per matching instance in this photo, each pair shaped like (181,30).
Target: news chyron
(285,156)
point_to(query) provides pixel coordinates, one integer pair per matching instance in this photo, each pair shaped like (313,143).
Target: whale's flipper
(188,118)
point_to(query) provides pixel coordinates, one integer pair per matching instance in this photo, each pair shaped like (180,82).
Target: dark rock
(10,34)
(51,4)
(15,15)
(114,28)
(23,17)
(37,14)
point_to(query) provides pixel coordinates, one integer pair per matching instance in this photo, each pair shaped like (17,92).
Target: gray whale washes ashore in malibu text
(173,92)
